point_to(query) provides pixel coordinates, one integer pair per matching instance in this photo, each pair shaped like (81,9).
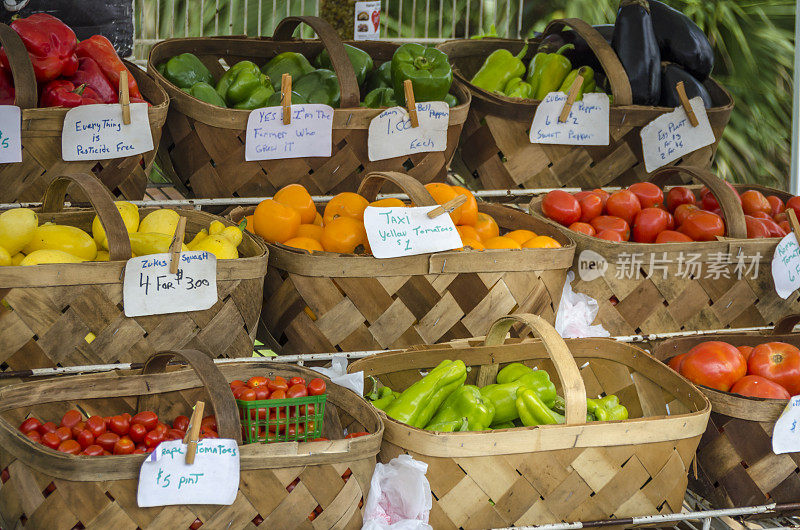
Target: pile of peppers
(69,73)
(522,396)
(246,86)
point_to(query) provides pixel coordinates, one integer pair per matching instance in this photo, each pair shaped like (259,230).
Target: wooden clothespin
(687,106)
(175,246)
(286,98)
(793,223)
(411,103)
(125,97)
(448,207)
(571,96)
(193,433)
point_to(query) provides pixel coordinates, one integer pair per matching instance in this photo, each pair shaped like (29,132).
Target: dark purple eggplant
(681,40)
(671,74)
(635,43)
(581,55)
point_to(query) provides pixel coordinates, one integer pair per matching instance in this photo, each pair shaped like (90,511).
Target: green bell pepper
(427,68)
(205,92)
(361,61)
(185,70)
(466,402)
(379,98)
(451,100)
(416,405)
(320,86)
(588,81)
(381,77)
(517,88)
(551,71)
(533,411)
(607,408)
(292,63)
(503,396)
(275,99)
(243,86)
(499,68)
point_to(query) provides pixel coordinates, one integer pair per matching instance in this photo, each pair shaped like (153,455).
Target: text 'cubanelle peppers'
(499,68)
(417,404)
(550,72)
(466,403)
(292,63)
(504,395)
(243,86)
(427,68)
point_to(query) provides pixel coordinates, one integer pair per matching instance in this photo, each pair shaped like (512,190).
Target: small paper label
(786,266)
(670,136)
(309,133)
(394,232)
(150,289)
(391,134)
(96,132)
(165,479)
(10,134)
(587,123)
(367,20)
(786,435)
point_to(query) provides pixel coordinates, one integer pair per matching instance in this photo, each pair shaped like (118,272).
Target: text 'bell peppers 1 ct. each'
(427,68)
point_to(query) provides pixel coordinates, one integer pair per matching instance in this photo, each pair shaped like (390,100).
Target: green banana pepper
(456,425)
(499,68)
(185,70)
(466,402)
(243,86)
(416,405)
(607,408)
(551,71)
(504,425)
(588,81)
(361,61)
(205,92)
(381,77)
(385,397)
(533,411)
(517,88)
(427,68)
(275,99)
(504,396)
(320,86)
(379,98)
(535,70)
(511,372)
(292,63)
(451,100)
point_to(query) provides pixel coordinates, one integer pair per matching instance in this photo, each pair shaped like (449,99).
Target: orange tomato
(468,232)
(500,242)
(521,236)
(306,243)
(317,220)
(297,197)
(311,231)
(343,235)
(346,204)
(473,243)
(469,210)
(486,227)
(276,222)
(541,242)
(388,203)
(442,193)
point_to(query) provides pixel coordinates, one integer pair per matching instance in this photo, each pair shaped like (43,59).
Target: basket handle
(375,180)
(331,41)
(119,243)
(731,207)
(25,92)
(617,77)
(214,382)
(785,325)
(571,380)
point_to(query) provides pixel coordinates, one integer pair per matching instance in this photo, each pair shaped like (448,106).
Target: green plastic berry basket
(282,420)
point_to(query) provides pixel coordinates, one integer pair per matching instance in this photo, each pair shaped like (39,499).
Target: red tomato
(785,226)
(745,351)
(71,418)
(703,226)
(34,436)
(780,217)
(237,383)
(85,438)
(671,236)
(127,416)
(591,206)
(209,422)
(779,362)
(248,394)
(239,390)
(561,207)
(754,201)
(107,440)
(714,364)
(670,221)
(610,235)
(609,222)
(153,438)
(47,427)
(683,211)
(755,229)
(173,434)
(161,428)
(70,446)
(124,446)
(92,450)
(761,215)
(278,394)
(147,418)
(776,205)
(279,383)
(710,202)
(297,381)
(583,228)
(773,228)
(603,194)
(208,433)
(623,204)
(64,433)
(77,428)
(181,423)
(30,424)
(295,430)
(316,387)
(296,391)
(648,224)
(356,435)
(51,440)
(262,393)
(196,524)
(119,425)
(761,387)
(794,204)
(677,196)
(256,381)
(137,432)
(96,425)
(649,194)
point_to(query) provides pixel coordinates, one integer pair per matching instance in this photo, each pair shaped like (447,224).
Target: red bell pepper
(102,51)
(89,74)
(6,87)
(63,93)
(50,43)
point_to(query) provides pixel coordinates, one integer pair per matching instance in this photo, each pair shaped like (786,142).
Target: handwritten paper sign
(394,232)
(10,134)
(391,135)
(670,136)
(587,123)
(309,133)
(786,435)
(165,478)
(786,266)
(150,289)
(96,132)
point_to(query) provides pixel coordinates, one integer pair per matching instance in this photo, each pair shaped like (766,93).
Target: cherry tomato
(77,428)
(47,427)
(609,222)
(256,381)
(85,438)
(677,196)
(649,195)
(96,425)
(779,362)
(181,423)
(70,446)
(356,435)
(776,205)
(137,432)
(675,362)
(279,383)
(278,394)
(610,235)
(754,201)
(247,395)
(794,204)
(583,228)
(755,228)
(623,204)
(671,236)
(30,424)
(561,207)
(648,224)
(119,425)
(71,418)
(209,422)
(316,387)
(124,446)
(296,381)
(296,391)
(64,433)
(34,436)
(153,438)
(237,383)
(714,364)
(174,434)
(51,440)
(683,211)
(745,351)
(107,440)
(147,418)
(591,206)
(761,387)
(703,226)
(92,450)
(262,393)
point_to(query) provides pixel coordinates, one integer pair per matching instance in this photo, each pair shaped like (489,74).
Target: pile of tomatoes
(258,388)
(642,213)
(770,370)
(111,435)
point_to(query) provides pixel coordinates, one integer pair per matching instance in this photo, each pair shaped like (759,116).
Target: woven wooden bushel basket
(647,289)
(359,302)
(548,474)
(495,145)
(203,145)
(48,310)
(41,137)
(735,462)
(43,488)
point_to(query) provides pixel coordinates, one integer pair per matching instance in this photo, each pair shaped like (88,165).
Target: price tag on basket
(10,134)
(391,133)
(786,435)
(395,232)
(786,261)
(309,133)
(98,132)
(672,135)
(586,122)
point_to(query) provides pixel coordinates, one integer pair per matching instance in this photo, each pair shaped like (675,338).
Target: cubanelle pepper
(533,411)
(361,61)
(550,71)
(607,408)
(499,68)
(292,63)
(417,404)
(466,403)
(427,68)
(588,84)
(517,88)
(185,70)
(504,395)
(244,87)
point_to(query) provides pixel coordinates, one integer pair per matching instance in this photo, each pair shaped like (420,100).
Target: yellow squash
(68,239)
(163,221)
(41,257)
(219,245)
(16,228)
(5,258)
(143,244)
(130,216)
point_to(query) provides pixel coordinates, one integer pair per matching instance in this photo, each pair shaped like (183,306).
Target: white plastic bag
(399,496)
(576,312)
(338,375)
